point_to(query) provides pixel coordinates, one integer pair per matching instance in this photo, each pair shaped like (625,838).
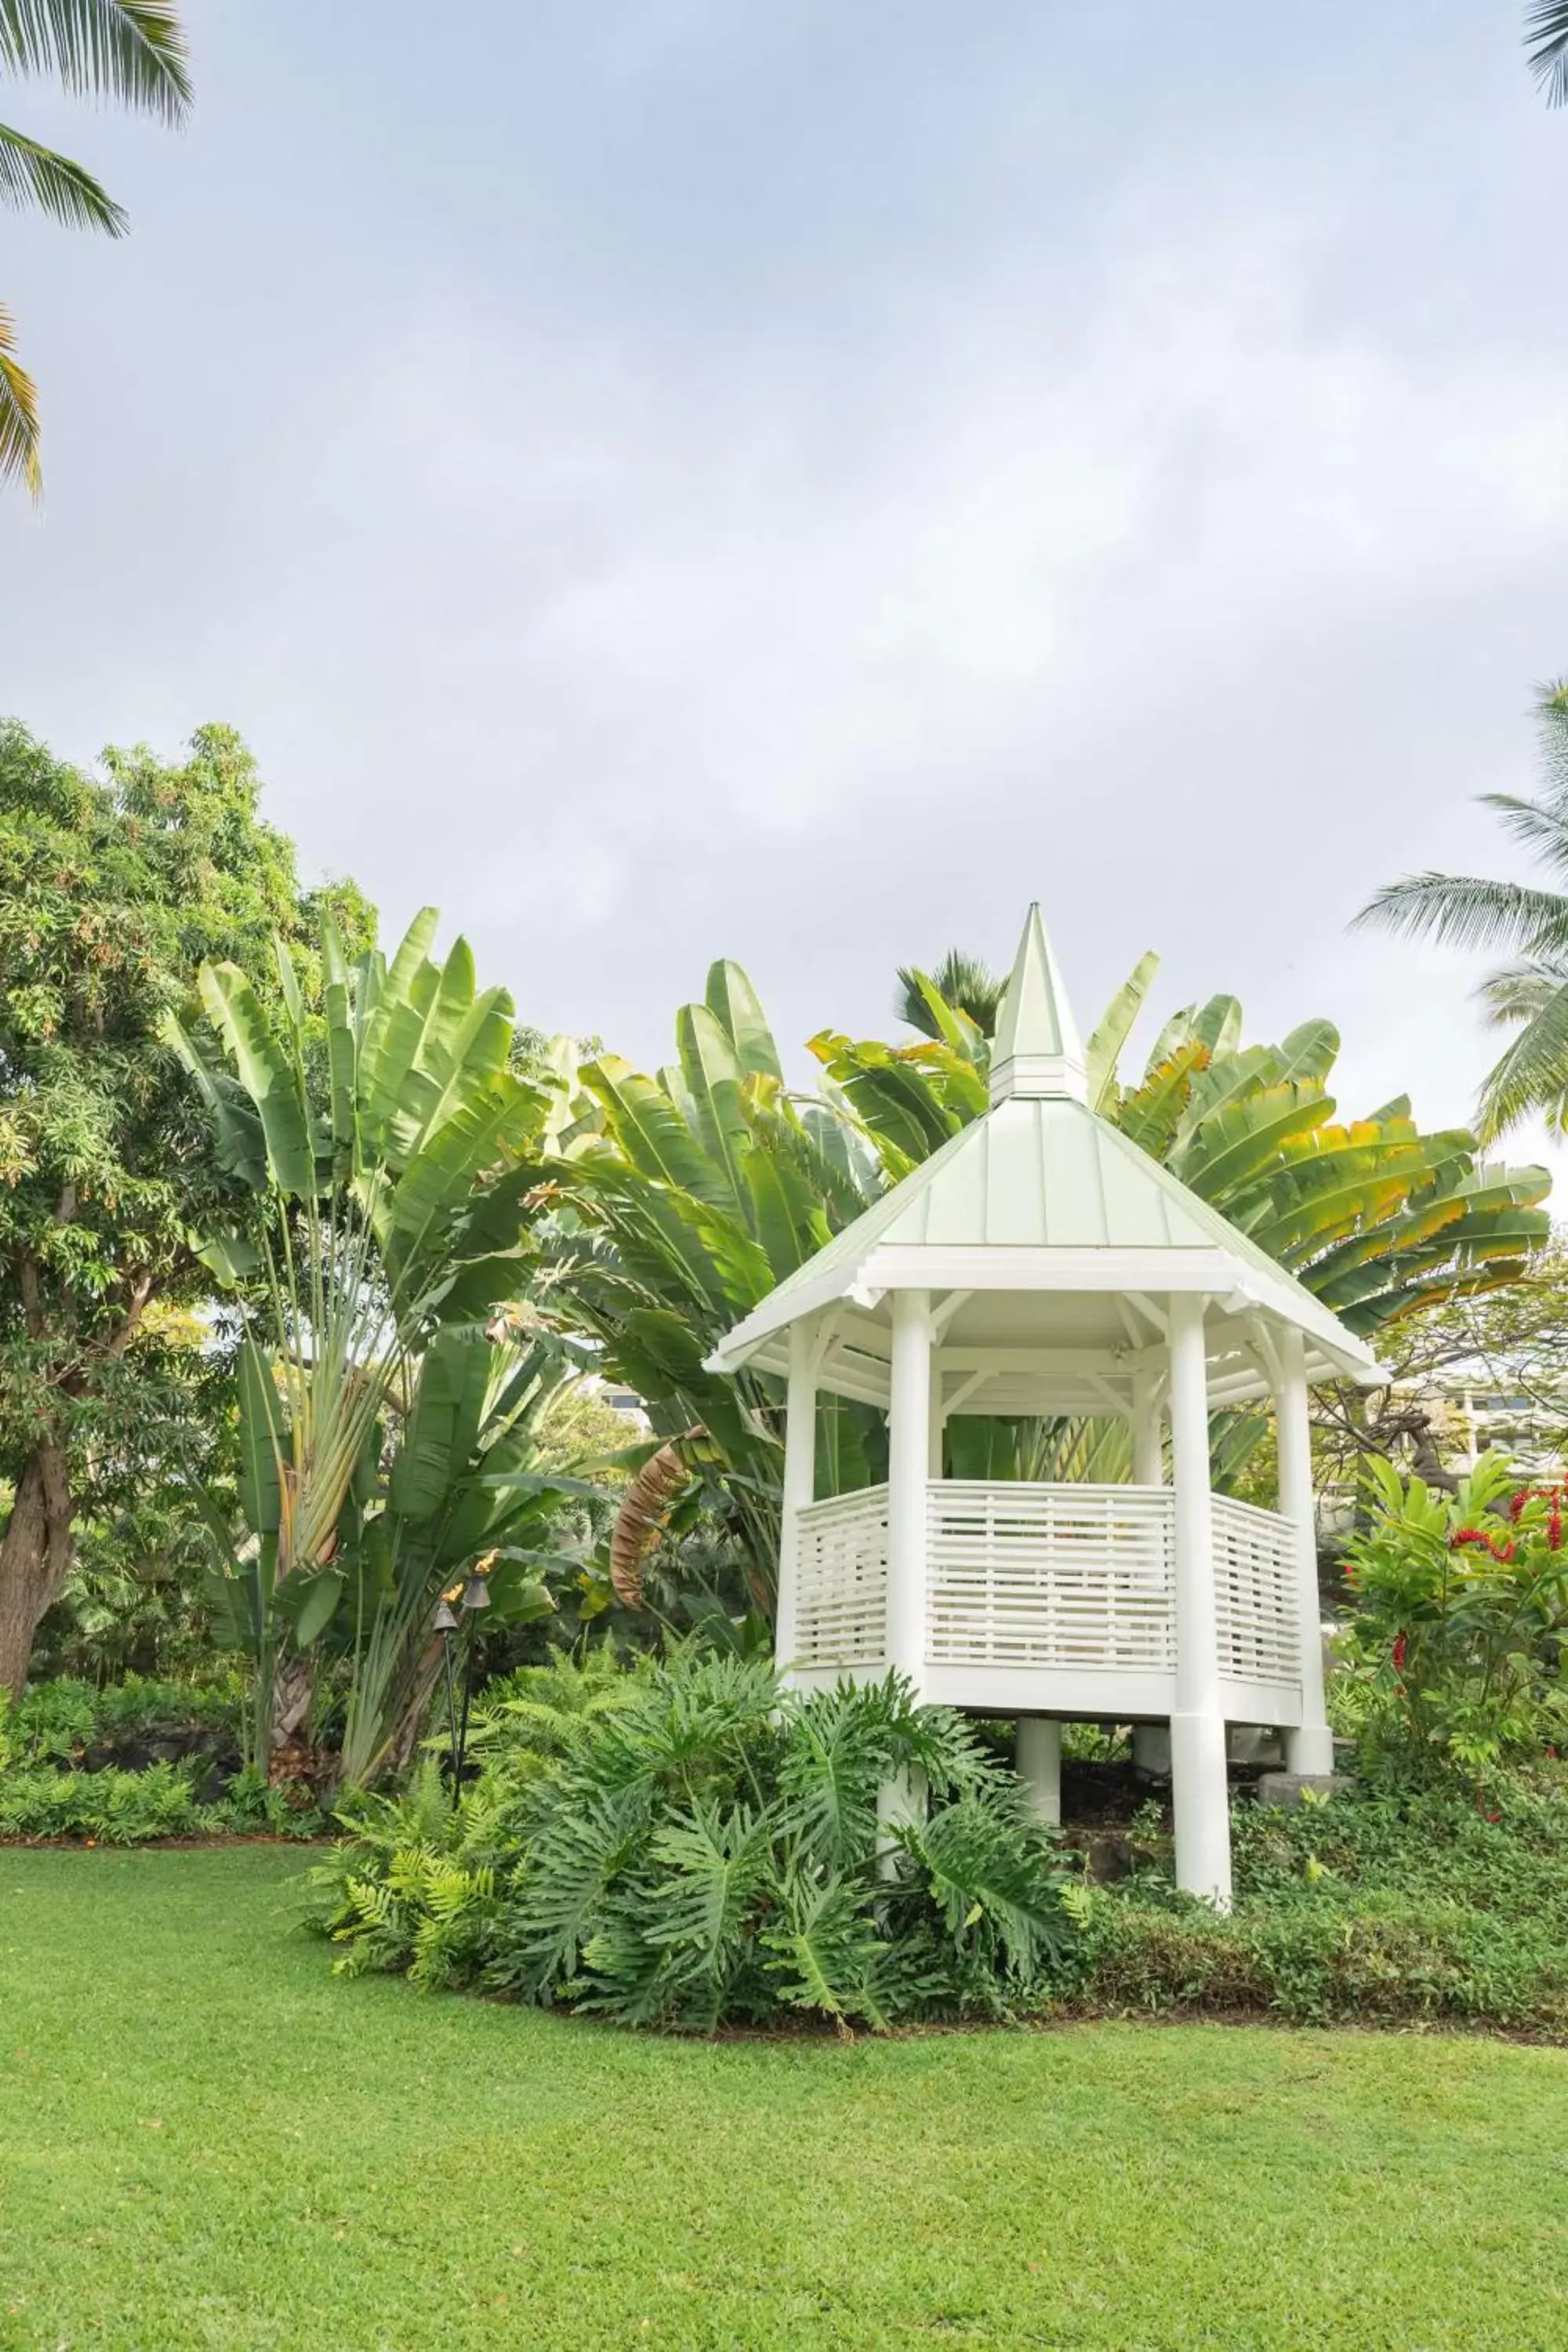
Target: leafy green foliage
(702,1848)
(1528,921)
(54,1721)
(1454,1649)
(387,1415)
(679,1202)
(1419,1907)
(110,895)
(122,1808)
(132,51)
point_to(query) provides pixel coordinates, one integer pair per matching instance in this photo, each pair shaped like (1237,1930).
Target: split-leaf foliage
(701,1848)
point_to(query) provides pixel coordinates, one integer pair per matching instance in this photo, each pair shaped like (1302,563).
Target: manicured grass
(206,2141)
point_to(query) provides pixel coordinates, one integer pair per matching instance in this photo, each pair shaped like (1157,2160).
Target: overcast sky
(798,478)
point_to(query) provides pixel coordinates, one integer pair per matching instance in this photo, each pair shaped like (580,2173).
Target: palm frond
(1518,992)
(1533,1074)
(1546,47)
(31,174)
(132,51)
(1540,826)
(966,982)
(1551,731)
(1469,911)
(18,415)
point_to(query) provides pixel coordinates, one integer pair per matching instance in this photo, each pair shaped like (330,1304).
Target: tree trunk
(411,1723)
(35,1559)
(290,1756)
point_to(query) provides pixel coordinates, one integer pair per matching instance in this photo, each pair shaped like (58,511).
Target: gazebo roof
(1042,1196)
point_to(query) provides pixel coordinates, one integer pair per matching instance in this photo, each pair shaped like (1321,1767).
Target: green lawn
(205,2140)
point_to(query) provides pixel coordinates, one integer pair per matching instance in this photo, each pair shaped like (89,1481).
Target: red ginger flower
(1501,1552)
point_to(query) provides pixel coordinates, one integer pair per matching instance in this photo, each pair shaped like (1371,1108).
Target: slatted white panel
(1256,1606)
(841,1609)
(1032,1575)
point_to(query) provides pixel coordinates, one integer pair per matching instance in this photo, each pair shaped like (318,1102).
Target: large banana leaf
(267,1072)
(1108,1037)
(732,1001)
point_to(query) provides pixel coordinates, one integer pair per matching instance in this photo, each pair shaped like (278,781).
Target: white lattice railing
(1256,1611)
(841,1595)
(1058,1576)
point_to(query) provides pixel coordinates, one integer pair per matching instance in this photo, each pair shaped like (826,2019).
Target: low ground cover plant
(62,1721)
(701,1848)
(134,1763)
(39,1803)
(1424,1906)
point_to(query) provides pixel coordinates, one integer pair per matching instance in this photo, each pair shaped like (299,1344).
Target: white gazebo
(1041,1264)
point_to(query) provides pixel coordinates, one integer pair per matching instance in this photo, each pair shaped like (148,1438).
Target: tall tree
(1529,993)
(130,51)
(383,1146)
(110,896)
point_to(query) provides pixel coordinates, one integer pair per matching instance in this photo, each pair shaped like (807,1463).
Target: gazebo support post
(908,1474)
(1040,1764)
(1150,1741)
(1309,1746)
(799,1483)
(1200,1789)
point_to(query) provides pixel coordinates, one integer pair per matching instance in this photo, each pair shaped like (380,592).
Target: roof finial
(1036,1050)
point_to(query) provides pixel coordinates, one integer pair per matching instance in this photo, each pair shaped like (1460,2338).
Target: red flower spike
(1401,1650)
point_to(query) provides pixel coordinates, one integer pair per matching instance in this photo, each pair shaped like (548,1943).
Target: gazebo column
(909,1471)
(1309,1747)
(1199,1787)
(1039,1759)
(799,1482)
(1150,1741)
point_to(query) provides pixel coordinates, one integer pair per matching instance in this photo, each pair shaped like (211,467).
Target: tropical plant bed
(686,1846)
(403,2175)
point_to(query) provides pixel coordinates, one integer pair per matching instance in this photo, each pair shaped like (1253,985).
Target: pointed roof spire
(1037,1049)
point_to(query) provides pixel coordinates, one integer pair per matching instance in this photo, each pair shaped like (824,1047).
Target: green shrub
(1453,1656)
(110,1808)
(53,1722)
(704,1849)
(1420,1908)
(116,1808)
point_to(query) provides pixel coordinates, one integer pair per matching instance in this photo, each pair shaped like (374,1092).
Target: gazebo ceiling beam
(965,1390)
(945,1313)
(1034,1360)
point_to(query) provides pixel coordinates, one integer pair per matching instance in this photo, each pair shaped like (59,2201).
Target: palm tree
(130,50)
(967,982)
(1530,993)
(1546,46)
